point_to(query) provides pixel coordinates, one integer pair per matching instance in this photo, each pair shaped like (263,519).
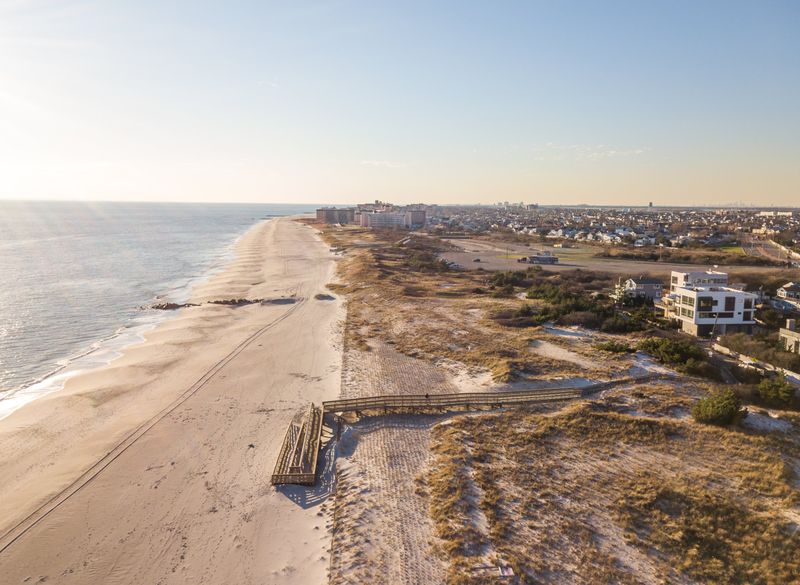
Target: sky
(614,102)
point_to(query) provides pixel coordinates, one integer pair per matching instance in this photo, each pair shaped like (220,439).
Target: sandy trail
(211,391)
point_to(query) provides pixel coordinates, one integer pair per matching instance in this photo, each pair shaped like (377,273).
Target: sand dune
(156,468)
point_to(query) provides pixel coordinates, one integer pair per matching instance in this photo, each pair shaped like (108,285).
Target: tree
(777,391)
(721,407)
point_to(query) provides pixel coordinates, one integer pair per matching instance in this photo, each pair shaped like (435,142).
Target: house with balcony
(706,306)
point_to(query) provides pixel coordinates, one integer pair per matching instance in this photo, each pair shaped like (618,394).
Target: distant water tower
(651,204)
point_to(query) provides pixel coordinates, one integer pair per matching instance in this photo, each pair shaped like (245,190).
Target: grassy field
(733,250)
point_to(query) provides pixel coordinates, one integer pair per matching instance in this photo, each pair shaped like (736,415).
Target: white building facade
(710,308)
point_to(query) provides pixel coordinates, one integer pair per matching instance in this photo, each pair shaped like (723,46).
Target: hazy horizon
(333,102)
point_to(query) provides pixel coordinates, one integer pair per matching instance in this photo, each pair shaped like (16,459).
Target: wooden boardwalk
(443,402)
(297,460)
(468,400)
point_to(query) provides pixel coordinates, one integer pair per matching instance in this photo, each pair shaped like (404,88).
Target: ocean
(76,278)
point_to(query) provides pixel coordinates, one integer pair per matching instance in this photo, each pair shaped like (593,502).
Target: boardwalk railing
(417,402)
(297,460)
(444,401)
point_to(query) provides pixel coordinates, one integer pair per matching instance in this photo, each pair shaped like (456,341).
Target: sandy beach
(155,469)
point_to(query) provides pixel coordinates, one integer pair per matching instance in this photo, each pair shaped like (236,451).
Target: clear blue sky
(677,102)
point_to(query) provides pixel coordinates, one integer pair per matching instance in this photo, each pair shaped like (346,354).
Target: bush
(777,392)
(525,316)
(614,347)
(509,278)
(671,351)
(721,408)
(618,324)
(586,319)
(746,375)
(701,368)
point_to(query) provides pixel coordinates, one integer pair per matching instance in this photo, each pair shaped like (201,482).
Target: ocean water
(75,276)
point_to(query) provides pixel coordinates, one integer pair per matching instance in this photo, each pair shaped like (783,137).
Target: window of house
(748,303)
(748,316)
(730,303)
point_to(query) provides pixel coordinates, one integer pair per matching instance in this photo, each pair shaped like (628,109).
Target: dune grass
(594,494)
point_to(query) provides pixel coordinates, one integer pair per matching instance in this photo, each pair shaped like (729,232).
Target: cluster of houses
(639,227)
(706,304)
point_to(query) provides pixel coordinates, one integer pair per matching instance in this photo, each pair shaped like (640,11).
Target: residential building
(641,287)
(710,308)
(410,219)
(790,291)
(702,278)
(385,219)
(334,215)
(790,337)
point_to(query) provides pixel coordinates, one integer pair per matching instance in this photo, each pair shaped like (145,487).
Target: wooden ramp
(297,460)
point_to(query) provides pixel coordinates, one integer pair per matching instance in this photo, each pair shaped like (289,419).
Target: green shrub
(777,391)
(701,368)
(746,375)
(618,324)
(671,351)
(721,408)
(614,347)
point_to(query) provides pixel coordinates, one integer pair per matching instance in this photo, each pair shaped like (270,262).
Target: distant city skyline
(335,102)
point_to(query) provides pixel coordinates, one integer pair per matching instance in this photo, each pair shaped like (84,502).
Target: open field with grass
(503,256)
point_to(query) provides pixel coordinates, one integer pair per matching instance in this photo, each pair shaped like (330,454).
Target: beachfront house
(641,287)
(698,278)
(705,305)
(790,291)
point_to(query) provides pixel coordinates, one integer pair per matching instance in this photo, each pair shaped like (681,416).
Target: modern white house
(700,278)
(705,306)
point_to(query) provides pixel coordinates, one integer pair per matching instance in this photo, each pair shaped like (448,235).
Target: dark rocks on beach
(226,302)
(281,301)
(235,302)
(324,297)
(171,306)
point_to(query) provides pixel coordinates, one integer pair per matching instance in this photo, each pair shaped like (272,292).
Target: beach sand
(155,469)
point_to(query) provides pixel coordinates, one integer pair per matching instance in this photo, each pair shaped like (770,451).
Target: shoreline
(129,334)
(179,435)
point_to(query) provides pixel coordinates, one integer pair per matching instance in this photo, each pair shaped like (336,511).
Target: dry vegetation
(617,491)
(625,489)
(400,293)
(699,255)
